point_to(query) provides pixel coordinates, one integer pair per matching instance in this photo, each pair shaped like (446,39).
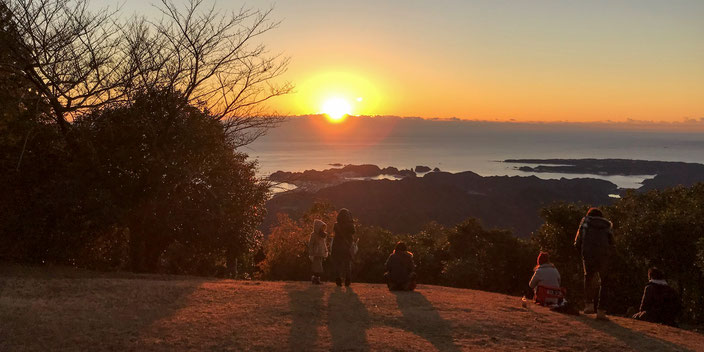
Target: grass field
(45,309)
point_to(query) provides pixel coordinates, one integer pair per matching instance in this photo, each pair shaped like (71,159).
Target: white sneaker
(589,309)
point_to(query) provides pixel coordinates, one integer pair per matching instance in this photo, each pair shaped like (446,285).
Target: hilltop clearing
(76,310)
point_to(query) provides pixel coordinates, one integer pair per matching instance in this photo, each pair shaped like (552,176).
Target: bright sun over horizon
(336,109)
(532,60)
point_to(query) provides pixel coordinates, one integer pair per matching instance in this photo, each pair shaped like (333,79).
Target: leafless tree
(70,55)
(211,59)
(81,60)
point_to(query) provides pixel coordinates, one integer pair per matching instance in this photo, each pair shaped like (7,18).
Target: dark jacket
(660,304)
(344,236)
(400,266)
(594,238)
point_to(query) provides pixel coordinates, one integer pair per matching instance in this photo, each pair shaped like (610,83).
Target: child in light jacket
(545,274)
(317,249)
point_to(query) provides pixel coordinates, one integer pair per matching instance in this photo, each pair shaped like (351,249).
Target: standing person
(317,250)
(595,241)
(660,303)
(399,269)
(342,246)
(545,274)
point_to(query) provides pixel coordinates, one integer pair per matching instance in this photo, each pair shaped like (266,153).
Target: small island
(313,180)
(664,173)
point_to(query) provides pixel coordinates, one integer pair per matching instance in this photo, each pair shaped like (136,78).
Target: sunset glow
(336,109)
(533,60)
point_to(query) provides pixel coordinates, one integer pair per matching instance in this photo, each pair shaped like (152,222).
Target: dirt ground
(49,309)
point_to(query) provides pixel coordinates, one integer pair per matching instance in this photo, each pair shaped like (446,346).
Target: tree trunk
(136,248)
(231,256)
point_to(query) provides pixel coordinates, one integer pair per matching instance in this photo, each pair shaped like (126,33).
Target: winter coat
(594,238)
(660,303)
(400,266)
(344,236)
(316,244)
(545,275)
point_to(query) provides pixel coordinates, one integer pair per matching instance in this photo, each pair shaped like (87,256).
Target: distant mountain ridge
(407,204)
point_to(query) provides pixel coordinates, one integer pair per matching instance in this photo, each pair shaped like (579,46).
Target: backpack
(566,308)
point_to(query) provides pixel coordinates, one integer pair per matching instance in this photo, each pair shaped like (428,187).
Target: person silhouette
(595,242)
(400,275)
(342,247)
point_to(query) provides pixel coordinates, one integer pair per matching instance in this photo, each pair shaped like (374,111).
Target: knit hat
(318,225)
(543,258)
(595,212)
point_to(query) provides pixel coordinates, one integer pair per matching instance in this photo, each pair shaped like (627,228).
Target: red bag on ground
(548,294)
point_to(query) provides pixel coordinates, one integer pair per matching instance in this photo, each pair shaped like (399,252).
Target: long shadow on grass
(421,318)
(307,309)
(634,339)
(116,308)
(348,320)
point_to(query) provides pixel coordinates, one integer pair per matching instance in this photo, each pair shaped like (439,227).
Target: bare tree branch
(213,61)
(80,60)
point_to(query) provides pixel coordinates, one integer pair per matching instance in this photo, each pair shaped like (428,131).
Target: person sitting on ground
(660,303)
(400,275)
(317,249)
(545,274)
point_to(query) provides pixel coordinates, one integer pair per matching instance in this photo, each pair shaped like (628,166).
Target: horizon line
(633,123)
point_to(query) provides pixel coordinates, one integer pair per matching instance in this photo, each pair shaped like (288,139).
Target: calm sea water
(312,143)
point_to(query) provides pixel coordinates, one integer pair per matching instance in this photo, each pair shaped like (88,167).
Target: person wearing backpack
(400,275)
(660,303)
(317,250)
(343,246)
(595,242)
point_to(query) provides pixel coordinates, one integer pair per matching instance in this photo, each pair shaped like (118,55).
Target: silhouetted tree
(32,163)
(209,58)
(662,228)
(492,260)
(121,136)
(172,175)
(79,59)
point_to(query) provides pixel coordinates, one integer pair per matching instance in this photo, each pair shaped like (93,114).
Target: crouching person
(400,275)
(660,303)
(546,281)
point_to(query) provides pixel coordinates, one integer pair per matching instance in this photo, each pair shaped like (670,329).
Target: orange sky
(528,60)
(496,60)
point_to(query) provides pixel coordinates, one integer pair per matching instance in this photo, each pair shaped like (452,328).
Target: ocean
(304,143)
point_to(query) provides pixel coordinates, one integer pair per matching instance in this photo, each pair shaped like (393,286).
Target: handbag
(354,248)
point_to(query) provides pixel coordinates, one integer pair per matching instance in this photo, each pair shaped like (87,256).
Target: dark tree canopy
(119,136)
(173,176)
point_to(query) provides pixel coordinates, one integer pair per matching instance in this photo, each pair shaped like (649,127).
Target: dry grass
(60,309)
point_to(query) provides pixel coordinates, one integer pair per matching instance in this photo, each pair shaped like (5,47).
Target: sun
(336,109)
